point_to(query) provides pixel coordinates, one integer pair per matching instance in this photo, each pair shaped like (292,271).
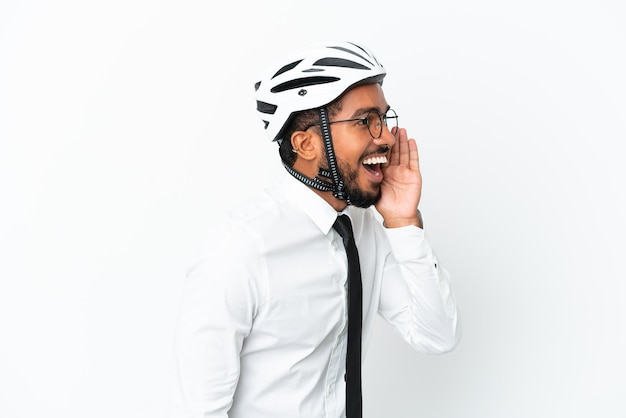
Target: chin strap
(339,191)
(315,182)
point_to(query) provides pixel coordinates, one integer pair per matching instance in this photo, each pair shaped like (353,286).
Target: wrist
(394,222)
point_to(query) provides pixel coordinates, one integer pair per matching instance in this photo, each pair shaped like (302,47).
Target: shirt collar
(301,196)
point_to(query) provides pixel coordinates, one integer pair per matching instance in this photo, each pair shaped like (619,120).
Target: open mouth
(373,164)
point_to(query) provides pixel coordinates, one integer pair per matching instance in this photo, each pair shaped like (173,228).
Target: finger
(414,158)
(394,157)
(404,148)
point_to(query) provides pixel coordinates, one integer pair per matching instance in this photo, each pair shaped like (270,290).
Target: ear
(305,144)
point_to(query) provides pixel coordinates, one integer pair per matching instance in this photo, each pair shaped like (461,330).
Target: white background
(127,127)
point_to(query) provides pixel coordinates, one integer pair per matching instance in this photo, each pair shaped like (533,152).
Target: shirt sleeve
(215,315)
(416,294)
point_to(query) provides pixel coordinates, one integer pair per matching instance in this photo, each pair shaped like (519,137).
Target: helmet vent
(286,68)
(303,82)
(340,62)
(266,107)
(352,52)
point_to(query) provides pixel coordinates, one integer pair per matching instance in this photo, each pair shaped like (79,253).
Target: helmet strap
(315,182)
(339,188)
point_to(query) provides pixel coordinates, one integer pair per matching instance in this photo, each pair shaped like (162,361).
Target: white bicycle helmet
(311,79)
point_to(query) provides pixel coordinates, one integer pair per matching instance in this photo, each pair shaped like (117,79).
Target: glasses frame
(383,118)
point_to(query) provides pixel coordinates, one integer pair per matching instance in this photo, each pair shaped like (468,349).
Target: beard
(358,197)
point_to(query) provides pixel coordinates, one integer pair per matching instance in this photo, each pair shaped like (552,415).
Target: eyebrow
(366,110)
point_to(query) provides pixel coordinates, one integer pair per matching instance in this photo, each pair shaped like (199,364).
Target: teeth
(376,160)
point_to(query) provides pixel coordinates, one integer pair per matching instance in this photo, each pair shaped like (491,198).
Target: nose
(386,137)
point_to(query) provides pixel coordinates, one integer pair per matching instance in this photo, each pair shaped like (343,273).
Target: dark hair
(299,122)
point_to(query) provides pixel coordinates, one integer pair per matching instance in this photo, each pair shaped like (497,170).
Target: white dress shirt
(262,325)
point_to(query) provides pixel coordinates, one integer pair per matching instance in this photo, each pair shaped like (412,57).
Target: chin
(363,199)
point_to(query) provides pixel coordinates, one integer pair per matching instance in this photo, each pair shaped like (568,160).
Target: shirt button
(331,389)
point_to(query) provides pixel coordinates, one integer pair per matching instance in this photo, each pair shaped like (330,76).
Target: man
(267,325)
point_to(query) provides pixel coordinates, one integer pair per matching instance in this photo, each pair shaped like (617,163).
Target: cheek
(350,150)
(350,158)
(350,144)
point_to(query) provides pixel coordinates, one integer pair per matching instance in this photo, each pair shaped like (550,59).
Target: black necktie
(354,400)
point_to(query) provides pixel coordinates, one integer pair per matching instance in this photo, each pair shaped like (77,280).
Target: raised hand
(401,188)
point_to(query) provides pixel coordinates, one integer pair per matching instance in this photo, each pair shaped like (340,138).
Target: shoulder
(246,219)
(245,226)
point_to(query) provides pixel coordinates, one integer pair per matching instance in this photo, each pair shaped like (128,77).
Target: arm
(416,296)
(215,316)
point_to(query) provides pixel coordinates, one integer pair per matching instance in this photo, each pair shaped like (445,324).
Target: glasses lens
(374,124)
(391,119)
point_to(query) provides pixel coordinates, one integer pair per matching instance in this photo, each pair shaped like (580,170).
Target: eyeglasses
(373,120)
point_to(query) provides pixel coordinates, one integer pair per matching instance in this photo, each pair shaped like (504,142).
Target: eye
(363,121)
(374,120)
